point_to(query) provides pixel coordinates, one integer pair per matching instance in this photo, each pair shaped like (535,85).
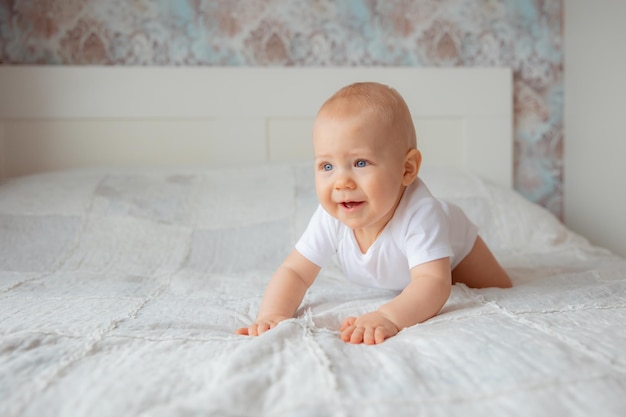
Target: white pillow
(507,221)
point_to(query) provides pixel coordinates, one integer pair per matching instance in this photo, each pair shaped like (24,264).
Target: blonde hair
(387,103)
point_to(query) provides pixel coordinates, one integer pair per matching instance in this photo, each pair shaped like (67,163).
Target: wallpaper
(525,35)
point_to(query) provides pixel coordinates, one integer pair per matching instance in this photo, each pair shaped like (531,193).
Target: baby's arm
(422,299)
(284,293)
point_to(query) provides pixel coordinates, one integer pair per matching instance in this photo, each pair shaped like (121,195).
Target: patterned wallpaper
(525,35)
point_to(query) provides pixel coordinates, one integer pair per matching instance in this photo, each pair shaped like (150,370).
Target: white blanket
(120,292)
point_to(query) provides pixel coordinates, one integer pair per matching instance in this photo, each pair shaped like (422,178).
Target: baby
(380,219)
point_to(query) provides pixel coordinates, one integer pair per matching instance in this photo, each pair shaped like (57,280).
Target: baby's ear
(412,163)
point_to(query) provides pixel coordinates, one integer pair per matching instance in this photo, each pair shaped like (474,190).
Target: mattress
(121,289)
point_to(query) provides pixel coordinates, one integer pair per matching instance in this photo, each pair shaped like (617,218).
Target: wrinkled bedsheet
(120,291)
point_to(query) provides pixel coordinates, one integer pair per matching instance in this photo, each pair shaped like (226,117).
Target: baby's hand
(260,326)
(371,328)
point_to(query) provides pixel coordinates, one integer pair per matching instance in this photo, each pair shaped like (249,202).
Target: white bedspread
(120,292)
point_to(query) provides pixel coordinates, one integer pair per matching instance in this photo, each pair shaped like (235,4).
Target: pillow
(507,221)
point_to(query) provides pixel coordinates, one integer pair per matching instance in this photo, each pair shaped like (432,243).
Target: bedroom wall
(2,153)
(522,34)
(595,174)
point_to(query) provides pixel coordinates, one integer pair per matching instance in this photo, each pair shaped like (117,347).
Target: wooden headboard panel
(67,117)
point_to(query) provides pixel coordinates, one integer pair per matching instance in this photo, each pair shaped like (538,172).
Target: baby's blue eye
(360,163)
(327,167)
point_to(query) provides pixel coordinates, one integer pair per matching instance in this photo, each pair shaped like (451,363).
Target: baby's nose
(344,181)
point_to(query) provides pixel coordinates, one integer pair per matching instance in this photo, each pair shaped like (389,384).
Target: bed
(143,210)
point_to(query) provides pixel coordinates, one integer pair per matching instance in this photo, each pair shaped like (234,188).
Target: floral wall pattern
(525,35)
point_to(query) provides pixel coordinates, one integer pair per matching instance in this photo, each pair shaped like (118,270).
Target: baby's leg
(480,269)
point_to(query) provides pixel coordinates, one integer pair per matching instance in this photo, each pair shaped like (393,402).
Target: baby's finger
(242,331)
(368,336)
(346,333)
(349,321)
(253,330)
(263,327)
(380,335)
(357,335)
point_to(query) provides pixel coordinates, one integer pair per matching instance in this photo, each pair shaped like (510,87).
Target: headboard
(67,117)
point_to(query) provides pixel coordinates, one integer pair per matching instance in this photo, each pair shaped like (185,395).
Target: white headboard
(65,117)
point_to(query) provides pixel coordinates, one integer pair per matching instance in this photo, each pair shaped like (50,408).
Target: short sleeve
(318,243)
(427,234)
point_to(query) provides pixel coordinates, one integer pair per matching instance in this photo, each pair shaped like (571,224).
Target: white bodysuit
(422,229)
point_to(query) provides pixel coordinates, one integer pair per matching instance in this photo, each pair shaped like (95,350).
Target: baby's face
(359,171)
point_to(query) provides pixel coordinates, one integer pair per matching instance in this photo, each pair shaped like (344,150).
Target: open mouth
(351,204)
